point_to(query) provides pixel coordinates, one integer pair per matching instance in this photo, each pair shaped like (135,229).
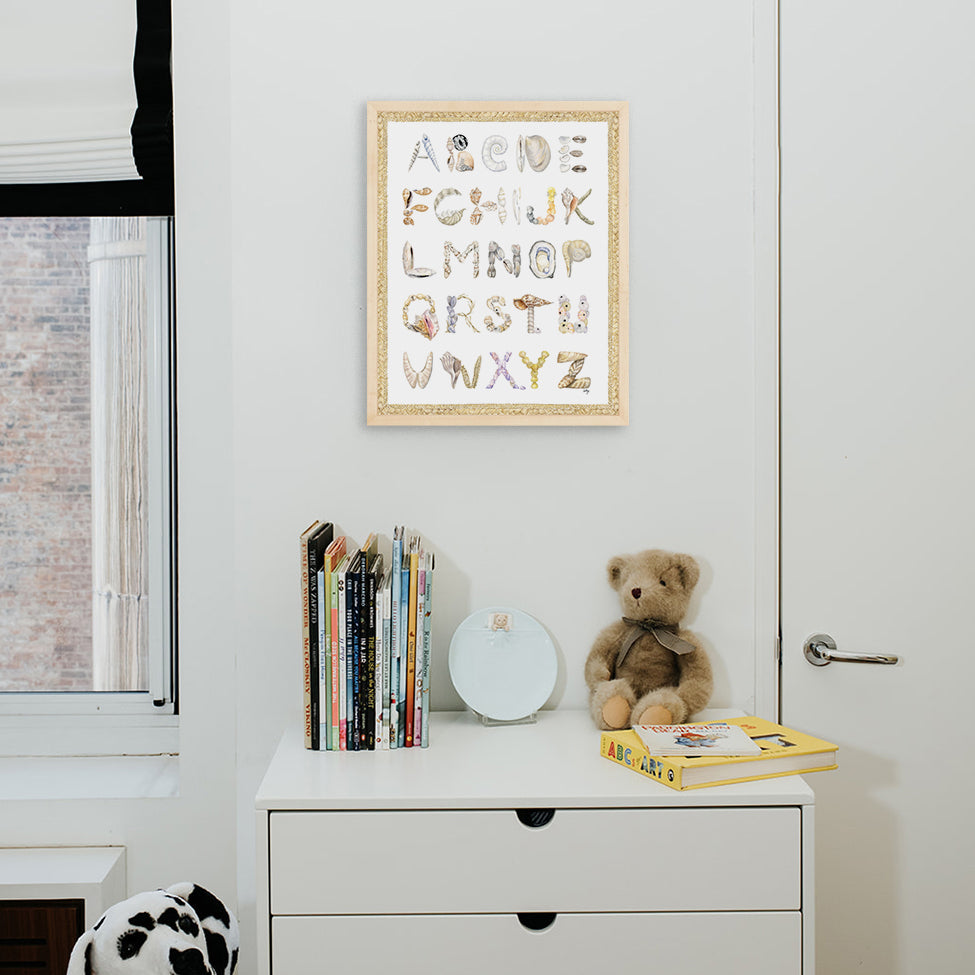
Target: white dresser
(519,850)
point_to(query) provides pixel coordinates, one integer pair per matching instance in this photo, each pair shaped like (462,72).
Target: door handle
(820,650)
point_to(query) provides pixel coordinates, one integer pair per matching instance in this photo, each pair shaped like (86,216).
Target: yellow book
(329,650)
(784,752)
(411,633)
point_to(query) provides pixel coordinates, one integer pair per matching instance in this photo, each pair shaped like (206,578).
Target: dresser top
(554,763)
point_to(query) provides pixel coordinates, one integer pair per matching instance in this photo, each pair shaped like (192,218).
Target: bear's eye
(130,943)
(188,926)
(663,582)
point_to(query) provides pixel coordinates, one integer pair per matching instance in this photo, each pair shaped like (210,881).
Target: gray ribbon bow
(664,635)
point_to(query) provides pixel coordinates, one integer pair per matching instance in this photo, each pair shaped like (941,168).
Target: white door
(878,467)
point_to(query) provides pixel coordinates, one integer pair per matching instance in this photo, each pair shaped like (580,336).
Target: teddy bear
(182,930)
(644,669)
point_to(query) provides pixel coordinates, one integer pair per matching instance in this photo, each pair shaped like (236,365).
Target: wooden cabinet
(36,937)
(419,858)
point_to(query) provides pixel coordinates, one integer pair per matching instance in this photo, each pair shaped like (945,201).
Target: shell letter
(574,251)
(496,304)
(411,271)
(424,140)
(537,152)
(541,259)
(452,367)
(572,379)
(494,145)
(425,324)
(415,378)
(447,217)
(565,315)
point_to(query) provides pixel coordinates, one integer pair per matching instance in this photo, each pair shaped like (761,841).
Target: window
(87,516)
(87,469)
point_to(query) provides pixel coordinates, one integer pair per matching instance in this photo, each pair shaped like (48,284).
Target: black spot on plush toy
(645,669)
(183,930)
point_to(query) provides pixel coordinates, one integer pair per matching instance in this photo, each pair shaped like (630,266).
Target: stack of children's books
(692,756)
(366,643)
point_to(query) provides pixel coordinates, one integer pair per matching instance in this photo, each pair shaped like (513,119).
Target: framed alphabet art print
(497,249)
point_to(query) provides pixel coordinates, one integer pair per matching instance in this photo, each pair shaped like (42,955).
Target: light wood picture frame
(497,263)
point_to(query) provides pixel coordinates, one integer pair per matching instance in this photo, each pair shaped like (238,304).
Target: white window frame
(127,722)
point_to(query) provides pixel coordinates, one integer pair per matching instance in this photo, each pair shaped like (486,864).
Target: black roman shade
(86,110)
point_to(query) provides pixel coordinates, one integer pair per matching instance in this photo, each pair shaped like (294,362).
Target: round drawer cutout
(534,818)
(537,920)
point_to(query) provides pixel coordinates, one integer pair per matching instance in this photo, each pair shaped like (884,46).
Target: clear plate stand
(497,722)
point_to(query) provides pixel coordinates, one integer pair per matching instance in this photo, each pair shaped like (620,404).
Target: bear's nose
(189,962)
(636,593)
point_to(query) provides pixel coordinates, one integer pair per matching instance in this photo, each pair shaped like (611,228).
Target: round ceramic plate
(504,675)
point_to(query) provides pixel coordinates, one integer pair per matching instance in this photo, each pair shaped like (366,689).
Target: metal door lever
(820,650)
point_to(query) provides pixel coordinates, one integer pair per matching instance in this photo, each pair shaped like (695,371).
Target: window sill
(44,757)
(71,736)
(105,777)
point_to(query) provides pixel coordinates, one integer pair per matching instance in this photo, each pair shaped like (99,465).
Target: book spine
(404,614)
(350,742)
(324,661)
(377,721)
(421,609)
(354,717)
(427,652)
(636,759)
(313,642)
(334,649)
(382,724)
(369,711)
(343,661)
(395,623)
(411,648)
(305,636)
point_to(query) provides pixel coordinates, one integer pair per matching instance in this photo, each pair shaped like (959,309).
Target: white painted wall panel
(270,131)
(524,516)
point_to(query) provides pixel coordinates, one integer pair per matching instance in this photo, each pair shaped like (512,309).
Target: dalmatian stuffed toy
(182,930)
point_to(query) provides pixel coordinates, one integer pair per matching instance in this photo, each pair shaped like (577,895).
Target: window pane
(74,398)
(45,455)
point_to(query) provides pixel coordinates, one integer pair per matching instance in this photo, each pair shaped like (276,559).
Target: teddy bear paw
(616,712)
(655,714)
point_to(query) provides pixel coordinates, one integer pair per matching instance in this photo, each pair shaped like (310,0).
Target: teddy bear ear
(689,570)
(615,568)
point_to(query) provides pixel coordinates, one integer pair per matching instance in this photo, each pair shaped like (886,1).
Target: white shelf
(93,874)
(554,763)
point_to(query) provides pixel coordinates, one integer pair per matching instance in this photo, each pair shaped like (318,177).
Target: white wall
(270,117)
(535,528)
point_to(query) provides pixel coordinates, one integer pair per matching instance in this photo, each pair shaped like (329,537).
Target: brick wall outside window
(45,465)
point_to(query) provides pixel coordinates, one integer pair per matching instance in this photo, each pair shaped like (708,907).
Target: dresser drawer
(757,944)
(583,860)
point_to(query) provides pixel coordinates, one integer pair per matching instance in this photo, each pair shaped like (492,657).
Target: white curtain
(119,451)
(67,94)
